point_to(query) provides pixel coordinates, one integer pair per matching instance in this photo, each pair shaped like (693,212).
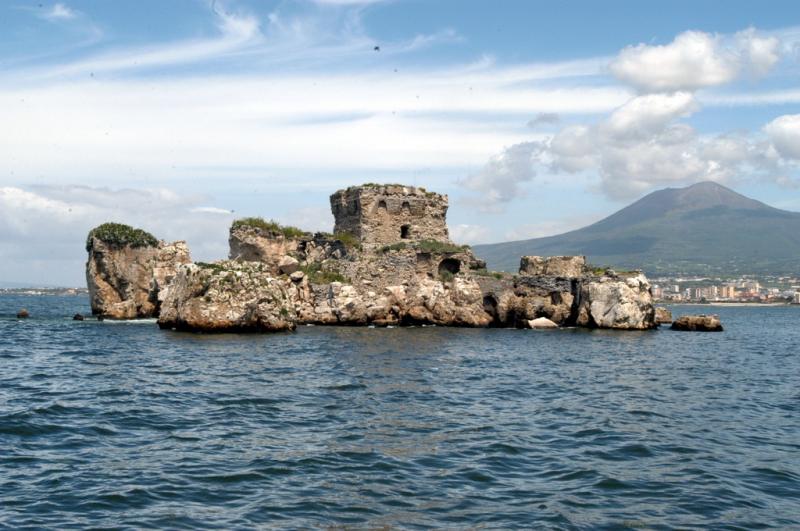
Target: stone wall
(556,266)
(385,214)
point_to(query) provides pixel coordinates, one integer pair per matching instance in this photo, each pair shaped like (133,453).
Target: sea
(120,425)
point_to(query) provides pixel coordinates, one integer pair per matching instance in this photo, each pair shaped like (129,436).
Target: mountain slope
(701,229)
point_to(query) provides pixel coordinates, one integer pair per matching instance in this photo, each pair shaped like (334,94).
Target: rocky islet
(390,261)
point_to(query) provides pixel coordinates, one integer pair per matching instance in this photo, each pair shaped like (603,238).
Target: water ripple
(120,425)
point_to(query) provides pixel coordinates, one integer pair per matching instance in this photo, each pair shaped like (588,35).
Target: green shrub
(486,273)
(271,226)
(119,235)
(433,246)
(349,240)
(316,275)
(446,276)
(399,246)
(215,268)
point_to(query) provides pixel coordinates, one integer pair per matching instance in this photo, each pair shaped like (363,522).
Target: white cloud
(469,234)
(695,60)
(784,132)
(59,11)
(544,118)
(649,114)
(51,222)
(499,180)
(236,32)
(644,143)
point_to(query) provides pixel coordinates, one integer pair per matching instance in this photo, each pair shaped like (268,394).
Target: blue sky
(534,117)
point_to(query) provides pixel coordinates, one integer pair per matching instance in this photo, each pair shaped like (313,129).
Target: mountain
(705,228)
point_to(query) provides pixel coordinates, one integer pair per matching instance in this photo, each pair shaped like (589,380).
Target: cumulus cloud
(645,142)
(695,60)
(469,234)
(784,132)
(499,180)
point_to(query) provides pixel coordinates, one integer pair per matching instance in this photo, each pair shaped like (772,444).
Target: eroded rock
(128,271)
(228,297)
(663,315)
(697,323)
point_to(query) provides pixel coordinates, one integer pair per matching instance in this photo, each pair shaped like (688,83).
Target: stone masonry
(385,214)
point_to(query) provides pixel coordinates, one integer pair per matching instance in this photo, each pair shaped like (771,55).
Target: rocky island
(389,261)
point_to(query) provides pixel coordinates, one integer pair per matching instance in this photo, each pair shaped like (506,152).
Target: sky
(534,117)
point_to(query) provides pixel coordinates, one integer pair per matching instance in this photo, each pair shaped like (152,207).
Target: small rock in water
(23,314)
(663,316)
(697,323)
(78,317)
(541,323)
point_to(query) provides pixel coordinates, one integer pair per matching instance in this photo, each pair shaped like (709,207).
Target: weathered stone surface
(554,266)
(253,244)
(621,302)
(697,323)
(384,214)
(127,282)
(288,265)
(228,297)
(542,323)
(663,316)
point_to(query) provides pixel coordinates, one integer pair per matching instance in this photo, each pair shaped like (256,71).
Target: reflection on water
(123,425)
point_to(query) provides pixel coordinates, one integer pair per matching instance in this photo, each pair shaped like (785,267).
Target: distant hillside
(701,229)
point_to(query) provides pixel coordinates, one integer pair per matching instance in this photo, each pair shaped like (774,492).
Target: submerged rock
(78,317)
(23,314)
(697,323)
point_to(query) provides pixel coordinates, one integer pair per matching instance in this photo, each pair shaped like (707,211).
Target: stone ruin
(390,261)
(381,215)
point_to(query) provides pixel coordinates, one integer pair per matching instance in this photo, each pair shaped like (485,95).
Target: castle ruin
(380,215)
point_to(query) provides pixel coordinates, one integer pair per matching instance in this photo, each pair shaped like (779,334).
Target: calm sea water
(121,425)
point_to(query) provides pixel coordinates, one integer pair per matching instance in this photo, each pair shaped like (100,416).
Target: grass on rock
(118,234)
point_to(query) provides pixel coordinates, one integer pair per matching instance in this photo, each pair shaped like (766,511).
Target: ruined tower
(385,214)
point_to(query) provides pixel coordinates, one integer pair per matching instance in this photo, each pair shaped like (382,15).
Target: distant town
(765,290)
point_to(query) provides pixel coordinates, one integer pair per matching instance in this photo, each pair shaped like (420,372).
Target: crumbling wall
(381,215)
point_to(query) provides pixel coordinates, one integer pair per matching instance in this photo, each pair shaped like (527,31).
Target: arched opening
(382,204)
(448,268)
(490,307)
(405,232)
(406,206)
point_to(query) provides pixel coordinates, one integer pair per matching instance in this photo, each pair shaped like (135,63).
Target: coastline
(729,304)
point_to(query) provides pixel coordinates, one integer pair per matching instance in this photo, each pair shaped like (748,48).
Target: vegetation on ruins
(317,275)
(119,234)
(426,246)
(269,226)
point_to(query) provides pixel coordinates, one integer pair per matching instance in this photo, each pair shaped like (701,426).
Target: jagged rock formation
(389,262)
(228,297)
(129,271)
(578,297)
